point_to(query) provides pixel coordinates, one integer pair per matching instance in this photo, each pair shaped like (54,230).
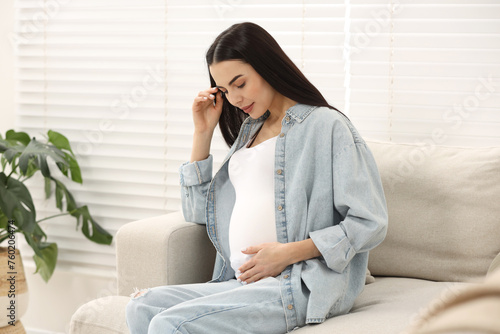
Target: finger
(246,266)
(254,278)
(218,100)
(252,249)
(206,97)
(209,93)
(212,90)
(251,274)
(199,99)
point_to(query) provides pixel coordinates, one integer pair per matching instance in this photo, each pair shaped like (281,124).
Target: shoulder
(333,123)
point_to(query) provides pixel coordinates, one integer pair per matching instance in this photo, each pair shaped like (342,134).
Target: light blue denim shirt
(327,188)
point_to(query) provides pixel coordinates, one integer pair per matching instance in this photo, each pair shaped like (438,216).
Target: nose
(234,98)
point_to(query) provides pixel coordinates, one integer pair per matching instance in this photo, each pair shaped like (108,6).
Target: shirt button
(280,207)
(286,276)
(287,118)
(282,135)
(290,306)
(279,171)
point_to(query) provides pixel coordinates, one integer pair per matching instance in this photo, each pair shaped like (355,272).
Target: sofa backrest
(444,211)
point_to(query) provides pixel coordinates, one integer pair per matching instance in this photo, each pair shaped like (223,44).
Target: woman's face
(243,86)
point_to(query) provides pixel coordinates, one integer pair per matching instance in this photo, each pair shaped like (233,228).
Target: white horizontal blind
(426,71)
(118,79)
(95,72)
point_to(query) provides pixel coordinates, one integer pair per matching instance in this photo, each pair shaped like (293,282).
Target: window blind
(426,71)
(118,79)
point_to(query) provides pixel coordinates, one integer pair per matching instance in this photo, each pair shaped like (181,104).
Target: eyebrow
(231,82)
(234,79)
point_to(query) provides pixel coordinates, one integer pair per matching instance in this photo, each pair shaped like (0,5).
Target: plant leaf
(61,192)
(10,153)
(45,254)
(16,202)
(62,143)
(91,229)
(73,167)
(46,262)
(59,141)
(21,137)
(40,152)
(48,187)
(76,174)
(10,149)
(59,197)
(4,221)
(63,168)
(32,168)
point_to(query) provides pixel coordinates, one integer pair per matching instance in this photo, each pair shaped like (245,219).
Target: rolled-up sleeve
(195,178)
(359,198)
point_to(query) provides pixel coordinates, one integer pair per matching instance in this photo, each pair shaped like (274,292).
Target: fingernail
(204,97)
(239,280)
(244,283)
(211,95)
(243,249)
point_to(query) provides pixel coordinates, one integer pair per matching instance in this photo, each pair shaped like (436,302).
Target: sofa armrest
(162,250)
(495,265)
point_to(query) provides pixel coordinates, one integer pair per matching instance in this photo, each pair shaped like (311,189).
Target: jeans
(224,307)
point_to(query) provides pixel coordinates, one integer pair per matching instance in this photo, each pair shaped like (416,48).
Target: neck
(278,108)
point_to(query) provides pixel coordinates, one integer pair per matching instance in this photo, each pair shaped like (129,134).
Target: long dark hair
(252,44)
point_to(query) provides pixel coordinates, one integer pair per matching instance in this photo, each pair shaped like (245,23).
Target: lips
(248,109)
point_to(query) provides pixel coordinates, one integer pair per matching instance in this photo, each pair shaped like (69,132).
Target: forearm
(201,145)
(301,251)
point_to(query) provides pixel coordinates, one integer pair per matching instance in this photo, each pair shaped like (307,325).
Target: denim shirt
(327,188)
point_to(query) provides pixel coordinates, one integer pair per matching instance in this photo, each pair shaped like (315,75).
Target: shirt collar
(299,112)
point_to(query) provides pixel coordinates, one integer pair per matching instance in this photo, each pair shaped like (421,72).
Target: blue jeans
(225,307)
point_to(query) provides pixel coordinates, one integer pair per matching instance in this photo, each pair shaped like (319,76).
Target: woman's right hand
(205,114)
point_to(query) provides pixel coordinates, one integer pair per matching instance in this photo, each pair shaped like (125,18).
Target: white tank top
(251,171)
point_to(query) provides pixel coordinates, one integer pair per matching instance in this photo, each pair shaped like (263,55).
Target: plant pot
(13,291)
(17,329)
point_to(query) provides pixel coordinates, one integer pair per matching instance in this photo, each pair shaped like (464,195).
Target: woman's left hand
(269,260)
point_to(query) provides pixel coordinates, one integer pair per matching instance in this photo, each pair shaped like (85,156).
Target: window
(118,79)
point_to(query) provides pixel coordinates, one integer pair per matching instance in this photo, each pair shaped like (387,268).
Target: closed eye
(242,85)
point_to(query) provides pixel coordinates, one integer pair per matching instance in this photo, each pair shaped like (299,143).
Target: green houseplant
(21,158)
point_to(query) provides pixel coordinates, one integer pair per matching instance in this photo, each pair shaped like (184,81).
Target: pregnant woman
(292,212)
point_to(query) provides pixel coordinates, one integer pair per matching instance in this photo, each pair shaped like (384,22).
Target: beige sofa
(444,231)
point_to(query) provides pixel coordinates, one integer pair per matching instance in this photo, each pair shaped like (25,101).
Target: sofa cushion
(444,217)
(387,306)
(104,316)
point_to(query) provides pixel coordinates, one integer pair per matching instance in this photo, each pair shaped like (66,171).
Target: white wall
(7,114)
(51,304)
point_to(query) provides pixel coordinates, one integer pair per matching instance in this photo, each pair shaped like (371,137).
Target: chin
(255,114)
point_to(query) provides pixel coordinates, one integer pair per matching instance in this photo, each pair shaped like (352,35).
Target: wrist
(301,250)
(203,133)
